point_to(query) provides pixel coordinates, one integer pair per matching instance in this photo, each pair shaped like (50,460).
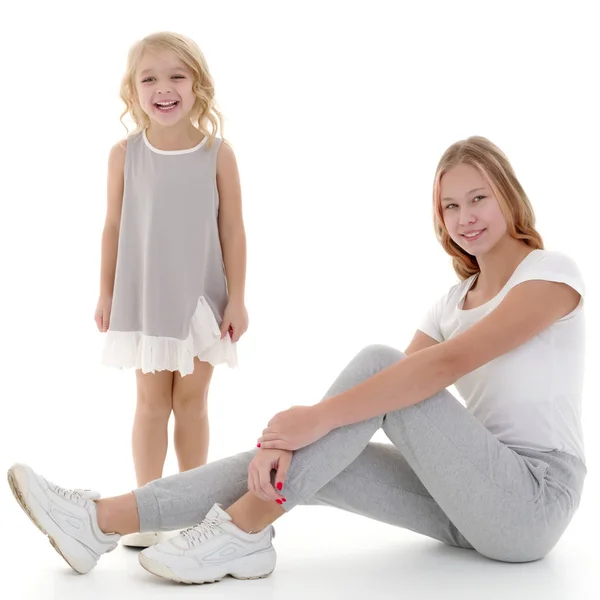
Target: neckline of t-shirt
(184,151)
(473,279)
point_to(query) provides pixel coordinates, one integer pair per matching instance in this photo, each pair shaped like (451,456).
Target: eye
(479,198)
(178,77)
(148,79)
(449,206)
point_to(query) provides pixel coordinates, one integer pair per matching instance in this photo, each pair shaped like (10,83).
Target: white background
(338,113)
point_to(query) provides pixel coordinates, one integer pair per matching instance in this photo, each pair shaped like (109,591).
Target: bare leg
(118,514)
(251,514)
(190,394)
(150,432)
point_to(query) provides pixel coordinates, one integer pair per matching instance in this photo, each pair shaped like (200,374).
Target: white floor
(322,554)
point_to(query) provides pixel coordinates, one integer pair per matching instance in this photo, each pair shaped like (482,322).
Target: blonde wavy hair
(497,171)
(204,114)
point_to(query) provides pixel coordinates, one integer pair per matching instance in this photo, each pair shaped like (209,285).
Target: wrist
(236,300)
(325,413)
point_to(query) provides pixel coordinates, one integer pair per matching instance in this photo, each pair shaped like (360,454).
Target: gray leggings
(445,476)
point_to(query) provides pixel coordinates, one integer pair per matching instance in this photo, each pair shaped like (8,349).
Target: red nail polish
(284,500)
(279,485)
(279,501)
(258,445)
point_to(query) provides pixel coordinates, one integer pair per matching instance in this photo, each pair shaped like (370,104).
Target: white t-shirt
(529,397)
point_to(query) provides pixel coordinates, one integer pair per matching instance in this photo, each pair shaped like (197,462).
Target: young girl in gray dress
(173,252)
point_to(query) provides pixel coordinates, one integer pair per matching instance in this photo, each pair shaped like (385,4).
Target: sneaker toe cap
(154,556)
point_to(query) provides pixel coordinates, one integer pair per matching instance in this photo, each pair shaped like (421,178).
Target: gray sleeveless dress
(170,288)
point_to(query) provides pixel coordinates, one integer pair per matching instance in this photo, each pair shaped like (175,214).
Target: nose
(467,216)
(164,87)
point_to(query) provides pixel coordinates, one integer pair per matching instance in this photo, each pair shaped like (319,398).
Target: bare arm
(528,309)
(110,234)
(231,224)
(419,342)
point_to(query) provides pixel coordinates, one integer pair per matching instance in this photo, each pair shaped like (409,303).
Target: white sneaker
(67,517)
(89,494)
(211,550)
(146,539)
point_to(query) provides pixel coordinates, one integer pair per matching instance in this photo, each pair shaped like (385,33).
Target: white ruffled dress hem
(134,349)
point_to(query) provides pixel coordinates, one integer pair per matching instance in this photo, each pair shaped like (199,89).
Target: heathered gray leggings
(445,476)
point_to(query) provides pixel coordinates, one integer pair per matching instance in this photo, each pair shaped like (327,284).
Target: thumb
(224,328)
(284,464)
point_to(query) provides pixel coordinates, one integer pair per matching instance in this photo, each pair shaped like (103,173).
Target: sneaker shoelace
(75,496)
(203,531)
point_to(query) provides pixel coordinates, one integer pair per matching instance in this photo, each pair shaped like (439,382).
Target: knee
(381,354)
(514,555)
(523,551)
(189,404)
(154,405)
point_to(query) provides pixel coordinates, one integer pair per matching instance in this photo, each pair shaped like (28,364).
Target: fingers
(253,481)
(269,435)
(101,322)
(259,479)
(264,478)
(257,485)
(276,445)
(284,464)
(236,332)
(225,325)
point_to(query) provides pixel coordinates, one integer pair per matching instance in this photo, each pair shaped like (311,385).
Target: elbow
(111,229)
(232,234)
(453,364)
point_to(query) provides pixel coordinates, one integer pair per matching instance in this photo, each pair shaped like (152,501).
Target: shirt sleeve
(553,266)
(432,320)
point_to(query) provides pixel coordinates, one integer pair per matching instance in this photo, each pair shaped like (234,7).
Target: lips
(472,235)
(166,105)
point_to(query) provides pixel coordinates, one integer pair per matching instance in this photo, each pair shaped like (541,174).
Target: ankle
(102,516)
(254,521)
(247,526)
(117,515)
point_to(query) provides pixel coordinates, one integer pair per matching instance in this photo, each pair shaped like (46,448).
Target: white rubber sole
(253,566)
(24,487)
(141,540)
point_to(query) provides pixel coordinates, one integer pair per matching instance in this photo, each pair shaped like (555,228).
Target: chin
(166,122)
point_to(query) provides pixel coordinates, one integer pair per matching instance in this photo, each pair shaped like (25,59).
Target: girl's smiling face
(472,214)
(164,88)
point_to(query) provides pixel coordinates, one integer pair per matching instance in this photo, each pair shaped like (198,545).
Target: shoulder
(535,300)
(116,158)
(225,153)
(226,161)
(551,266)
(118,151)
(132,141)
(552,258)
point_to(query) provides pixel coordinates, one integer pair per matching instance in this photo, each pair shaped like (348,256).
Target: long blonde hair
(496,169)
(204,114)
